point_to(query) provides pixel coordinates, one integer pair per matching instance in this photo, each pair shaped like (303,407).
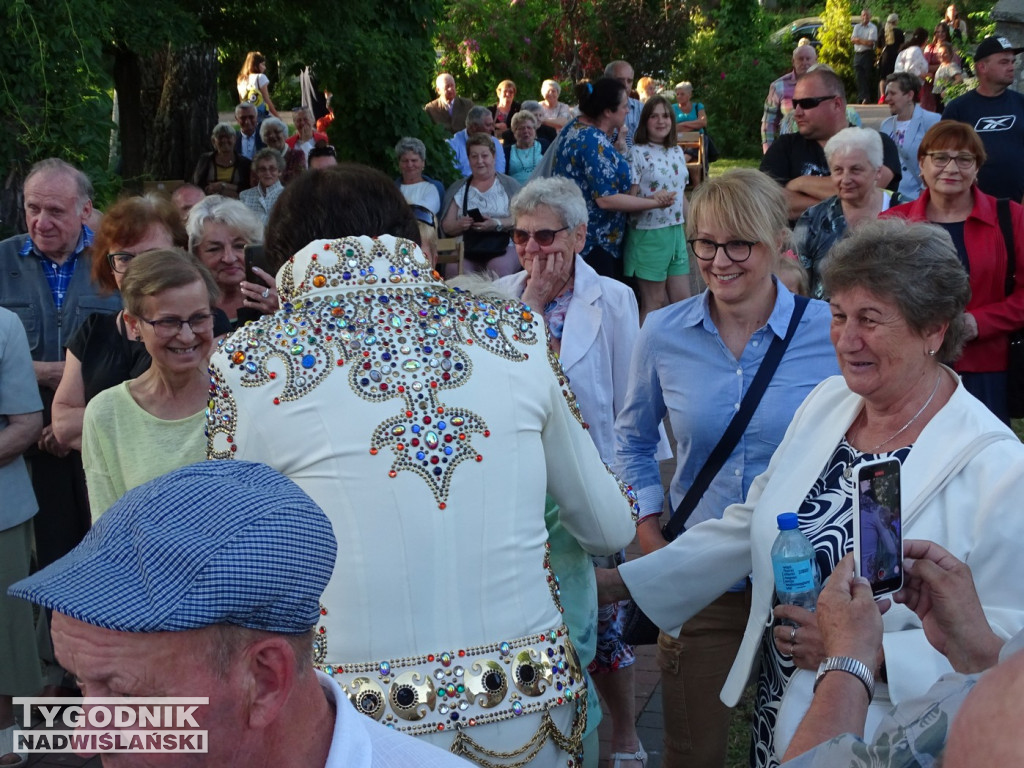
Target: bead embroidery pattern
(453,689)
(404,343)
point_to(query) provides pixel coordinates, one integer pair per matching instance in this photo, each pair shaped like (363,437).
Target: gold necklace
(849,470)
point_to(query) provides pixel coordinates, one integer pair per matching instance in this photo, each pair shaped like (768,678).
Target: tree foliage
(55,97)
(836,49)
(731,63)
(482,42)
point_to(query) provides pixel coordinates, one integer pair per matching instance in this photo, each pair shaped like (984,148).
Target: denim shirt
(682,367)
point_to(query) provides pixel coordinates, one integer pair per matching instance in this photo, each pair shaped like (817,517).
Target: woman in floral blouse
(587,156)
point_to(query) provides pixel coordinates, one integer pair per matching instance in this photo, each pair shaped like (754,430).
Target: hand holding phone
(475,215)
(878,525)
(256,256)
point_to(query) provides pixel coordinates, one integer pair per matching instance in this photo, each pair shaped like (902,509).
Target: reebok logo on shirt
(991,124)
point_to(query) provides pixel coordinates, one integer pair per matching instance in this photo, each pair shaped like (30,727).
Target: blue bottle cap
(787,521)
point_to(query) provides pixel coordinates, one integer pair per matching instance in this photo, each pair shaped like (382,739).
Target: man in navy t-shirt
(996,112)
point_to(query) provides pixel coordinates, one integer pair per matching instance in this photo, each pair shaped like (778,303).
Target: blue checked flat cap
(218,542)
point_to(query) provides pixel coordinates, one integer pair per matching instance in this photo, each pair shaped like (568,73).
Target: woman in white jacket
(898,294)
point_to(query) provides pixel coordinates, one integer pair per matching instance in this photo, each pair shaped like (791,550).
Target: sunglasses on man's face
(811,101)
(543,237)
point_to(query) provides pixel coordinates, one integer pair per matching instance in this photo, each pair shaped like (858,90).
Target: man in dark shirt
(797,160)
(996,112)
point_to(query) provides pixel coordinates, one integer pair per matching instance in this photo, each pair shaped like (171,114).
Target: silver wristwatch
(845,664)
(497,225)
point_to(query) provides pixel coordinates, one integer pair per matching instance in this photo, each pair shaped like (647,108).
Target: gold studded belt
(459,688)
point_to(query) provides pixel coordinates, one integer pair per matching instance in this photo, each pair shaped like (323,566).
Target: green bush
(731,64)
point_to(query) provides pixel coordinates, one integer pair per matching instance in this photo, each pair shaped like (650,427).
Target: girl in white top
(254,86)
(655,245)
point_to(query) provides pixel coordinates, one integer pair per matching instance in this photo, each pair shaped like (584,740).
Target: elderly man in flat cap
(206,583)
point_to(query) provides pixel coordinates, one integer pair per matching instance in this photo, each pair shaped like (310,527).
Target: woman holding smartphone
(898,294)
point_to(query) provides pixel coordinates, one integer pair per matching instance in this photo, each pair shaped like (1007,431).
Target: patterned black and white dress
(826,518)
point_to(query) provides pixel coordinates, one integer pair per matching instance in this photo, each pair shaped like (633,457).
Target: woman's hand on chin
(805,645)
(548,274)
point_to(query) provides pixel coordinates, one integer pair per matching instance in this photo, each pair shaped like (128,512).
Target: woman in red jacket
(950,155)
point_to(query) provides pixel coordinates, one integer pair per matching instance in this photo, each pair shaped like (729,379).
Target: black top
(109,357)
(791,155)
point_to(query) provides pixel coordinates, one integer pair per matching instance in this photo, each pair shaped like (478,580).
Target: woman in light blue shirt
(694,361)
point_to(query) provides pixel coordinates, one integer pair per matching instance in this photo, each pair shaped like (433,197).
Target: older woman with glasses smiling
(950,155)
(147,426)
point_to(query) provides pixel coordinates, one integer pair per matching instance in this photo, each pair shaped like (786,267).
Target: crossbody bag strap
(1006,225)
(737,426)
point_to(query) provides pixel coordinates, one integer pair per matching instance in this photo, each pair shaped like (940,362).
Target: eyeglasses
(963,162)
(736,250)
(119,260)
(166,327)
(543,237)
(811,102)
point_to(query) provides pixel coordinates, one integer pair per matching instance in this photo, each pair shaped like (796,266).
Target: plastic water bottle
(797,577)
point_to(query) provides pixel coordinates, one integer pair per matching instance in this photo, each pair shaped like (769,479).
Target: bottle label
(794,576)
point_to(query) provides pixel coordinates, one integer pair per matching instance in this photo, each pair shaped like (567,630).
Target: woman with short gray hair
(222,171)
(854,158)
(219,229)
(417,188)
(554,113)
(526,153)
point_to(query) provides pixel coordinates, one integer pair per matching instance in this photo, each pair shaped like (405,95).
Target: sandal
(640,755)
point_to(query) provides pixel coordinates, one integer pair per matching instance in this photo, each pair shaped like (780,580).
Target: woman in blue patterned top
(586,155)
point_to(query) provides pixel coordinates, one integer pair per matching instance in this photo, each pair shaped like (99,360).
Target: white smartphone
(878,525)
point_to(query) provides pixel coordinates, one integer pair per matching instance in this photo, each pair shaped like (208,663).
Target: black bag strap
(737,426)
(465,196)
(1006,225)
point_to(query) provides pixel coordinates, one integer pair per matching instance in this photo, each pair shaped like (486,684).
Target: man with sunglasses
(797,160)
(996,112)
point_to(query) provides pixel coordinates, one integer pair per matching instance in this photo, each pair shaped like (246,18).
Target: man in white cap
(996,112)
(206,583)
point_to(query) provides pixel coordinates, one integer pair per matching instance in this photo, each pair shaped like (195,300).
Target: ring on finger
(792,635)
(266,293)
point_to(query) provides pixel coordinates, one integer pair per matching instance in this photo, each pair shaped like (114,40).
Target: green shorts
(654,254)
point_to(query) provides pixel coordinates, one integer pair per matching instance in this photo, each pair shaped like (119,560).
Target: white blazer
(961,485)
(601,326)
(910,184)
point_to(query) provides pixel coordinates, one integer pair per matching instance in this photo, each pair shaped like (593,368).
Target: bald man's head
(986,731)
(804,57)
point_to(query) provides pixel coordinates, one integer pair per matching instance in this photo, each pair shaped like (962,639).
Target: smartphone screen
(255,256)
(878,525)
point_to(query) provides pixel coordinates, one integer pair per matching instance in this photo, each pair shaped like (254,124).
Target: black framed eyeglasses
(810,102)
(735,250)
(544,237)
(963,161)
(166,327)
(119,260)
